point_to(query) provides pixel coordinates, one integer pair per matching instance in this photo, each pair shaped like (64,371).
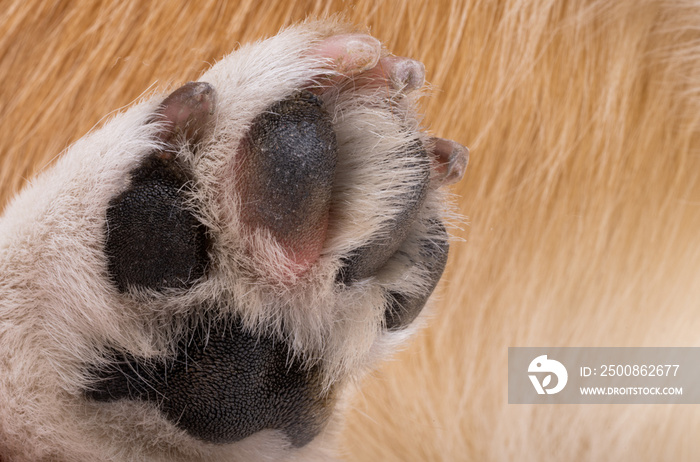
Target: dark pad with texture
(286,174)
(153,241)
(224,385)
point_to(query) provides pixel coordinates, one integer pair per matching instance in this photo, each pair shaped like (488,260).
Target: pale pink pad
(358,56)
(187,110)
(400,73)
(450,162)
(350,53)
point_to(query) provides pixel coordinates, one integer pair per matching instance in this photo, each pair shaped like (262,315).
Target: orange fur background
(582,192)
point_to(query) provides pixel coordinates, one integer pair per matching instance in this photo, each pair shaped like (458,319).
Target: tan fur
(582,191)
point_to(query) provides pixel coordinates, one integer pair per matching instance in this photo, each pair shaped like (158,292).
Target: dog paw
(203,276)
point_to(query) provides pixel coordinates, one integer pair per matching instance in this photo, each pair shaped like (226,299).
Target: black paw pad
(153,241)
(224,385)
